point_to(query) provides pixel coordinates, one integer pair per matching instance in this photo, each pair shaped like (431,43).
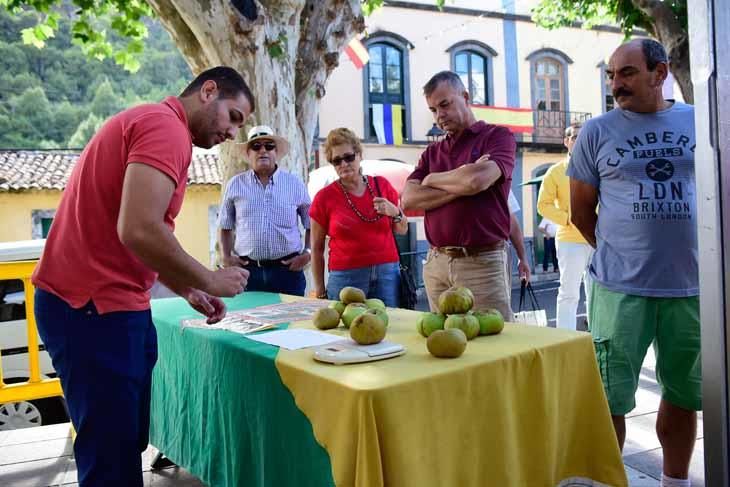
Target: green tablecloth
(232,429)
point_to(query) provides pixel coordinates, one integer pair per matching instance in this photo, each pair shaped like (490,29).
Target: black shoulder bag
(408,296)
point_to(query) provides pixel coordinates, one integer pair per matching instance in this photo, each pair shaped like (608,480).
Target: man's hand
(297,263)
(234,261)
(210,306)
(227,282)
(523,270)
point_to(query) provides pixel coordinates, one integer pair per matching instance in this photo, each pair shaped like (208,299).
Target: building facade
(555,76)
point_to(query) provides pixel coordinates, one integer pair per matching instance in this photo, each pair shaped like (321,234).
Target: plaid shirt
(265,217)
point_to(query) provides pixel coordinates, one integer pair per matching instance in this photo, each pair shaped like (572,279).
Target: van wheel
(27,414)
(16,415)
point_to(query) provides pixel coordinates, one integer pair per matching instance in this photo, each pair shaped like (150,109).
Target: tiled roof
(23,170)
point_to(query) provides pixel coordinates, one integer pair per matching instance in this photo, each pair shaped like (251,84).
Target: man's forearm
(517,242)
(227,241)
(307,239)
(419,197)
(465,180)
(586,225)
(157,247)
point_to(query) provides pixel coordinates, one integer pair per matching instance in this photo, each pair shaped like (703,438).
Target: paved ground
(41,457)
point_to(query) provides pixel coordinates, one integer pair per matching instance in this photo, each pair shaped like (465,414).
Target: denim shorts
(623,326)
(380,281)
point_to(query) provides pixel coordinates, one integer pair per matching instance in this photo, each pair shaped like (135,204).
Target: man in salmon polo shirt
(111,237)
(463,183)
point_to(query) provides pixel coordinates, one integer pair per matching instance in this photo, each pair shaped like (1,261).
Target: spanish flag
(388,123)
(357,53)
(518,120)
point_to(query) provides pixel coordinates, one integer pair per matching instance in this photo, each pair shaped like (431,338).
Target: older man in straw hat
(259,218)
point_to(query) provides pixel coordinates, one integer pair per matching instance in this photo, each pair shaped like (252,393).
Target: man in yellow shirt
(574,253)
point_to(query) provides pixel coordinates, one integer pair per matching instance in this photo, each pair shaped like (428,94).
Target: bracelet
(322,296)
(399,217)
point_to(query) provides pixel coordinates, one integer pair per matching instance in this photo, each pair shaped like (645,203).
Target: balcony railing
(550,125)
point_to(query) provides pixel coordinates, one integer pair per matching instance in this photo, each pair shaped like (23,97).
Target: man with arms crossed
(637,161)
(112,235)
(462,183)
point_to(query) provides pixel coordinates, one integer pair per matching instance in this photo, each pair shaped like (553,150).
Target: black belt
(269,263)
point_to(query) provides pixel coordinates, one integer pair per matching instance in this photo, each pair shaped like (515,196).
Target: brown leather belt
(456,252)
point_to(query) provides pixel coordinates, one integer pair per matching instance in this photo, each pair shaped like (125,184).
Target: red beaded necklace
(362,217)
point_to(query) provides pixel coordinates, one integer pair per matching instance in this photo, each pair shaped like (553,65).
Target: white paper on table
(295,339)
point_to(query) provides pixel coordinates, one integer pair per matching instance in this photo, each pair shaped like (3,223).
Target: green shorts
(623,326)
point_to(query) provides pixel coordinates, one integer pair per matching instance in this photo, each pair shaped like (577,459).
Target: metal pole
(709,29)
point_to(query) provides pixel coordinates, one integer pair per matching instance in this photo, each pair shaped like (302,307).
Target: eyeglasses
(336,161)
(256,146)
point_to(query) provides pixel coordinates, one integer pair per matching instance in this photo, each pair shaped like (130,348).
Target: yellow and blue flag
(388,123)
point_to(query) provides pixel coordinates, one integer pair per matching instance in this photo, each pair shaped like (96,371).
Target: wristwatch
(398,217)
(307,250)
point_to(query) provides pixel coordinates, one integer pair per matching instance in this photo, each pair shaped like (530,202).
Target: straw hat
(265,132)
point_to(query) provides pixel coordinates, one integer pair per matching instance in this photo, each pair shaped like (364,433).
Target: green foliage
(559,13)
(47,94)
(91,20)
(370,6)
(85,131)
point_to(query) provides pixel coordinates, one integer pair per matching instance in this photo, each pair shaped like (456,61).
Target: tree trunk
(668,30)
(285,50)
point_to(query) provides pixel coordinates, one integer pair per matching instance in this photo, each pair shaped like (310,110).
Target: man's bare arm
(583,202)
(141,227)
(419,197)
(466,180)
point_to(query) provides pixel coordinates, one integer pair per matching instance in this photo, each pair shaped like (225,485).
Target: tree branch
(181,34)
(326,27)
(671,33)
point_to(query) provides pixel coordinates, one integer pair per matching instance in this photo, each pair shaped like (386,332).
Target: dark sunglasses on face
(336,161)
(256,146)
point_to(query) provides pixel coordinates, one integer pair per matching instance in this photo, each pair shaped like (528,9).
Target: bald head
(637,70)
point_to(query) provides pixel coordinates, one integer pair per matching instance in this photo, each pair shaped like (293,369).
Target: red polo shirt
(83,258)
(355,243)
(480,219)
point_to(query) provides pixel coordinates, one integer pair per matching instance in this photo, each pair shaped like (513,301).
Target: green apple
(352,311)
(491,321)
(467,323)
(375,303)
(339,306)
(379,313)
(453,301)
(429,322)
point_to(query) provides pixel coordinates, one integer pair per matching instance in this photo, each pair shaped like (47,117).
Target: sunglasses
(256,146)
(336,161)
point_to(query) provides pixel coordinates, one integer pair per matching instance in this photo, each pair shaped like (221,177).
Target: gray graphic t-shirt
(643,167)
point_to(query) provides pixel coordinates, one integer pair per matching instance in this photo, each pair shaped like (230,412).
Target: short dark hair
(443,77)
(654,53)
(230,84)
(573,128)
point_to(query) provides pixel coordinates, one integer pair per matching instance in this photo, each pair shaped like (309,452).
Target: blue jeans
(105,365)
(380,281)
(276,279)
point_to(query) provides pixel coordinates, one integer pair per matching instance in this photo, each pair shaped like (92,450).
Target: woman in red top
(359,214)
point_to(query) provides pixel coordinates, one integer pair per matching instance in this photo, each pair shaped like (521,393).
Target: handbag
(535,316)
(407,296)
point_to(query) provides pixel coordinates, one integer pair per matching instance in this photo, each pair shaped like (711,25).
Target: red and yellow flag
(518,120)
(357,53)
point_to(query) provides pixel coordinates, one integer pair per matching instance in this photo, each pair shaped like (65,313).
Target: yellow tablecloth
(524,408)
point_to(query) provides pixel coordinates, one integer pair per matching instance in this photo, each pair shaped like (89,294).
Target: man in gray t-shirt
(637,163)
